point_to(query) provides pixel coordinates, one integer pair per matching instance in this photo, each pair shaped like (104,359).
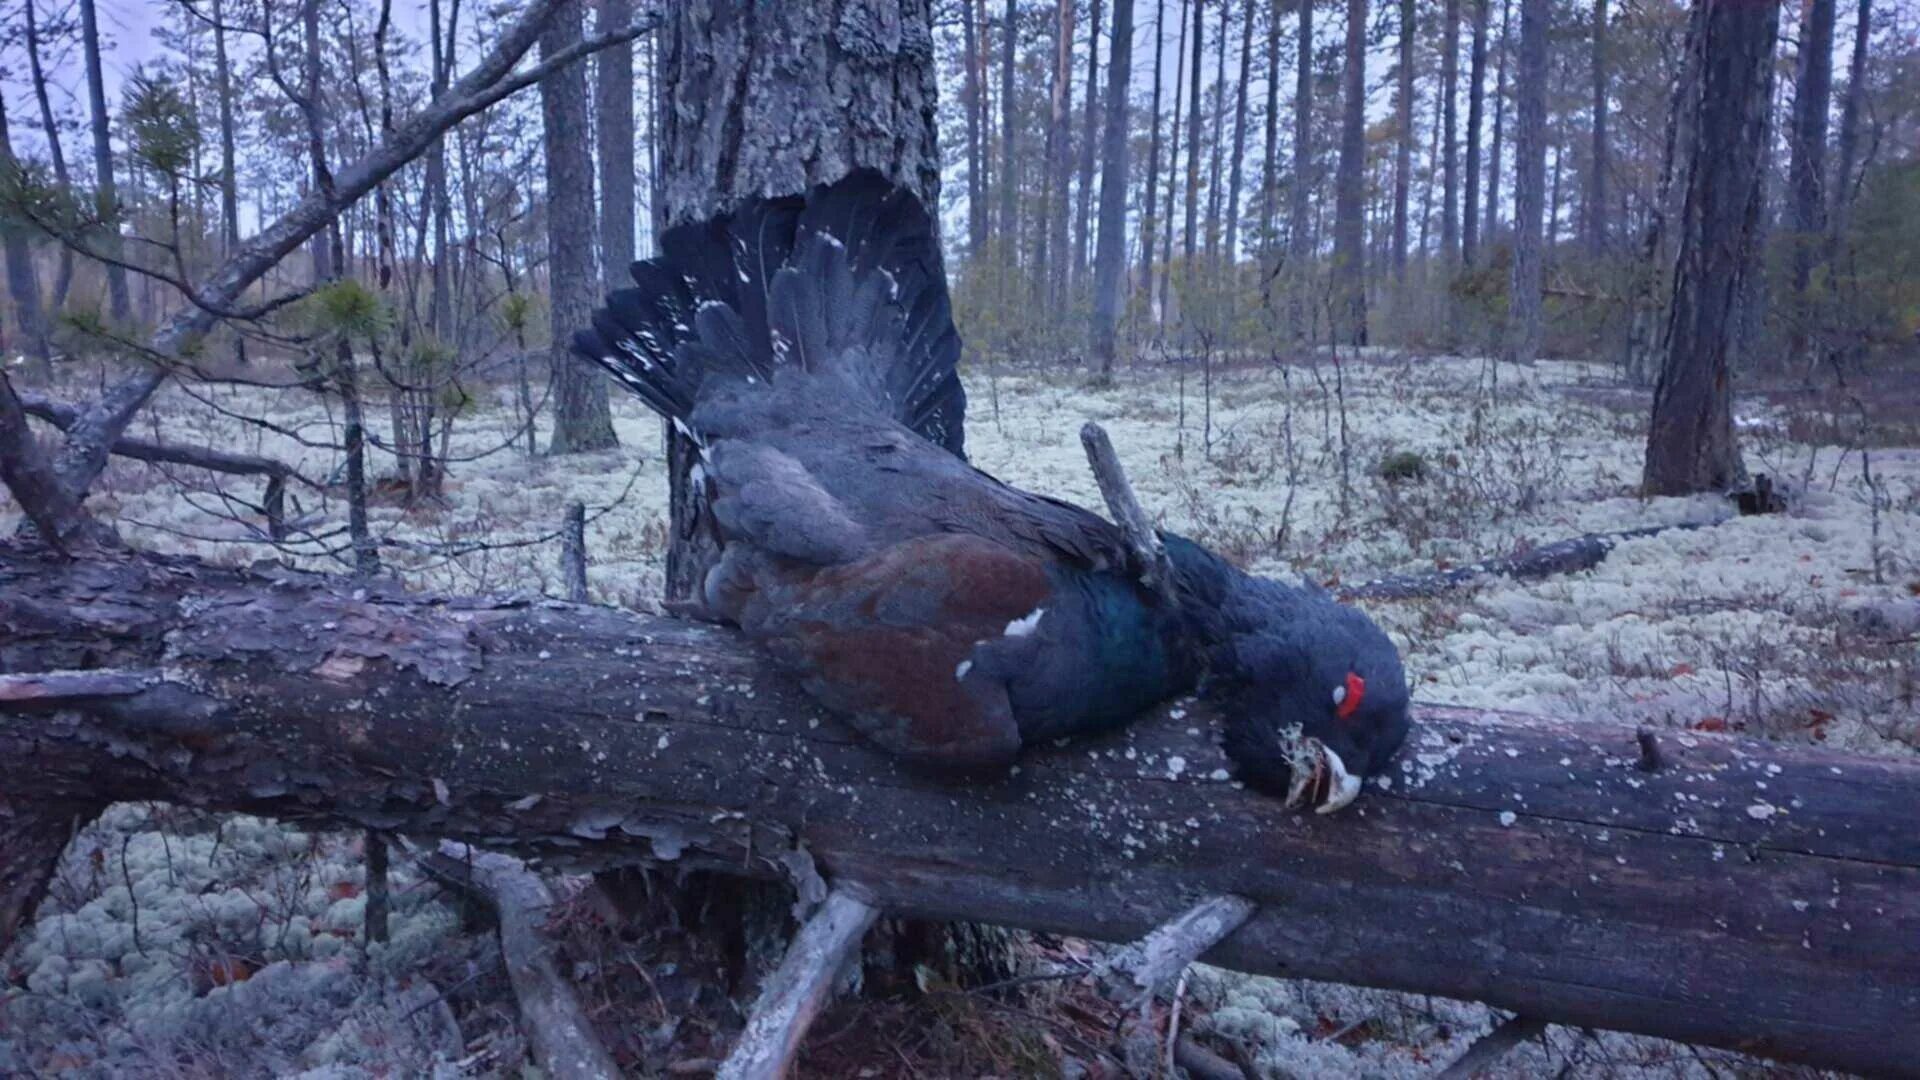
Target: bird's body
(806,346)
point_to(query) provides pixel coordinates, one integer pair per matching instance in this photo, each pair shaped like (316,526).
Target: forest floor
(174,944)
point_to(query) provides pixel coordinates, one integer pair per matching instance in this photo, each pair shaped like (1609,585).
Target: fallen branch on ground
(563,1040)
(803,984)
(1523,862)
(1569,556)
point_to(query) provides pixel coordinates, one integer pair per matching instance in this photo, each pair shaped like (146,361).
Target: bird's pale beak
(1317,769)
(1342,786)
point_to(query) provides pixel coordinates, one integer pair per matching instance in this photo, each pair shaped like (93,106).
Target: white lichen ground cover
(1751,624)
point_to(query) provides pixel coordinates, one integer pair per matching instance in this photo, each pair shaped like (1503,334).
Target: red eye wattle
(1356,689)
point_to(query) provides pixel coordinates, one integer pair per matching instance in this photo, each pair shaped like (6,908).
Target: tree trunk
(105,201)
(1403,141)
(1270,156)
(1009,224)
(1149,220)
(1690,443)
(1236,171)
(613,113)
(1450,141)
(1051,258)
(1849,141)
(761,102)
(1524,316)
(1476,108)
(1305,174)
(971,101)
(1523,862)
(1812,98)
(56,153)
(1349,239)
(1490,220)
(1111,255)
(582,418)
(1173,165)
(23,286)
(1089,143)
(1217,140)
(1599,156)
(1190,244)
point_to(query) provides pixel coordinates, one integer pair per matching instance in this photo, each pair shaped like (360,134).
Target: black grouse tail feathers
(845,283)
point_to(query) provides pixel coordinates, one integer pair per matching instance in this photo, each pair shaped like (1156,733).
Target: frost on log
(1742,894)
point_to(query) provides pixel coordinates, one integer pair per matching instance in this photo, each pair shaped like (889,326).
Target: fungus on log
(1747,895)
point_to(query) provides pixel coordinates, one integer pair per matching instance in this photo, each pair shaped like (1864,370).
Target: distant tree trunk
(1089,141)
(22,284)
(1476,99)
(1051,257)
(1812,98)
(1597,164)
(106,202)
(1450,139)
(971,102)
(1690,442)
(1149,220)
(739,121)
(613,111)
(1299,241)
(56,154)
(1270,156)
(1217,140)
(1236,172)
(1111,256)
(1173,164)
(582,419)
(1009,227)
(1403,141)
(1490,220)
(1349,239)
(1193,133)
(1524,316)
(1849,139)
(1652,275)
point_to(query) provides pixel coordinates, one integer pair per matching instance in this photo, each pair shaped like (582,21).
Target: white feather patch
(1027,624)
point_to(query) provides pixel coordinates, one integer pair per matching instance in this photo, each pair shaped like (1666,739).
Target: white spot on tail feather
(961,671)
(1027,624)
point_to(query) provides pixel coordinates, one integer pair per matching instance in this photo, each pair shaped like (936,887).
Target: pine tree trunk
(760,102)
(582,419)
(1690,442)
(1149,204)
(1008,227)
(613,112)
(106,202)
(56,153)
(1476,108)
(23,286)
(1191,243)
(1403,148)
(1349,240)
(1218,138)
(1849,139)
(1490,220)
(1299,240)
(1270,157)
(970,101)
(1450,139)
(1597,164)
(1812,98)
(1236,171)
(1111,255)
(1051,256)
(1524,316)
(1089,143)
(1173,167)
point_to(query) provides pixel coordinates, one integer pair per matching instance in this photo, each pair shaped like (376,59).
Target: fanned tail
(845,282)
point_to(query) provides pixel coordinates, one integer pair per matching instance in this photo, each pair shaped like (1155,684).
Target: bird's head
(1313,706)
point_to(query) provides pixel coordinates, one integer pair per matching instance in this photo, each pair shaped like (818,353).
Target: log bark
(1526,863)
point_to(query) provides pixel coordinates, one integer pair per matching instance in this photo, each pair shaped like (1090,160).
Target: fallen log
(1744,894)
(1569,556)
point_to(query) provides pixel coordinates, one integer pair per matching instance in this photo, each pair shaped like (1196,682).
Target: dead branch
(563,1039)
(1524,862)
(799,989)
(1156,570)
(1491,1047)
(1570,556)
(64,416)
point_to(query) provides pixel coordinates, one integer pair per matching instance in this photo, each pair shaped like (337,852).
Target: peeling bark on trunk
(1524,862)
(771,99)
